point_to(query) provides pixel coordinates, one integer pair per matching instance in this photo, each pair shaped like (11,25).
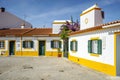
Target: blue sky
(43,12)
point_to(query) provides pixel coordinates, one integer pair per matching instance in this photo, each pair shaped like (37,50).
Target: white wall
(35,39)
(47,39)
(7,39)
(107,38)
(56,28)
(57,25)
(91,18)
(94,18)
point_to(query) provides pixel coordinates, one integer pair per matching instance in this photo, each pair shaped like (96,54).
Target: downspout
(21,45)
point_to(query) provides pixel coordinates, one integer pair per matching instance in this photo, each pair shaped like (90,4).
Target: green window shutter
(59,44)
(89,46)
(99,47)
(23,44)
(76,43)
(32,43)
(71,45)
(52,44)
(3,43)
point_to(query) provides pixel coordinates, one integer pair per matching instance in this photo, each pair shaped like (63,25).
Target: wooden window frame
(3,44)
(73,42)
(28,45)
(99,47)
(56,45)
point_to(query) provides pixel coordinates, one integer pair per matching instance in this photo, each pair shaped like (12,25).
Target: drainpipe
(21,45)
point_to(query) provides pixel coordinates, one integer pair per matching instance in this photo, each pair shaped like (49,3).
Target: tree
(64,33)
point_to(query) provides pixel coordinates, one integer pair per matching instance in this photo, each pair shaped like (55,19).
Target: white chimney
(91,17)
(22,26)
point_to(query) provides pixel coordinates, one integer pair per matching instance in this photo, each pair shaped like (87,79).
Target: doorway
(11,47)
(41,48)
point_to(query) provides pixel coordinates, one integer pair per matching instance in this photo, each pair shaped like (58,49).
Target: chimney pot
(2,9)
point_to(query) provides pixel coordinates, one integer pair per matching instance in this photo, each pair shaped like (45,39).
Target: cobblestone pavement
(46,68)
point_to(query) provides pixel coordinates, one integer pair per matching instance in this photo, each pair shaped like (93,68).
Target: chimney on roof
(2,9)
(22,26)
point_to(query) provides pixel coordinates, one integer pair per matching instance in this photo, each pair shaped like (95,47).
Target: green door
(11,47)
(41,47)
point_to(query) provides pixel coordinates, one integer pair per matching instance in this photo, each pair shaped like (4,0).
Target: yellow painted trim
(93,54)
(5,54)
(73,51)
(27,53)
(94,38)
(53,53)
(105,68)
(60,22)
(115,37)
(73,40)
(86,20)
(4,44)
(89,11)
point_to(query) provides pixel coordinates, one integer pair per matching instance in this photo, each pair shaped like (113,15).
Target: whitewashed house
(96,45)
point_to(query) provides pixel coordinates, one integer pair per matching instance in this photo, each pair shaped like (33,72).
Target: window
(27,44)
(2,44)
(55,44)
(73,45)
(95,46)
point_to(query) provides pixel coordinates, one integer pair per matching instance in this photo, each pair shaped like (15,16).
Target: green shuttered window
(73,45)
(90,46)
(55,44)
(28,44)
(95,46)
(2,44)
(99,51)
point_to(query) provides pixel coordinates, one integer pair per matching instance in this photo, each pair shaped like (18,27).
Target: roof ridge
(29,31)
(109,23)
(43,28)
(20,28)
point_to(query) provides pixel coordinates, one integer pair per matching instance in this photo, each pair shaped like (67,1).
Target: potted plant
(59,52)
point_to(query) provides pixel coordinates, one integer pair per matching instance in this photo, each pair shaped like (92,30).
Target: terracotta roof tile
(86,30)
(15,32)
(39,31)
(94,28)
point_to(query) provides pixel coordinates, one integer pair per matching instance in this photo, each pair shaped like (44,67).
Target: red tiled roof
(94,28)
(26,32)
(15,32)
(39,31)
(114,22)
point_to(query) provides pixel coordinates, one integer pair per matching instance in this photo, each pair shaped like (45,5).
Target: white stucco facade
(91,17)
(107,56)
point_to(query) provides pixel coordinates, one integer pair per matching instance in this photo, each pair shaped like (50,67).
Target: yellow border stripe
(105,68)
(89,11)
(60,22)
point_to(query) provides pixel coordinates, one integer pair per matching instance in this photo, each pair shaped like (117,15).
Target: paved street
(46,68)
